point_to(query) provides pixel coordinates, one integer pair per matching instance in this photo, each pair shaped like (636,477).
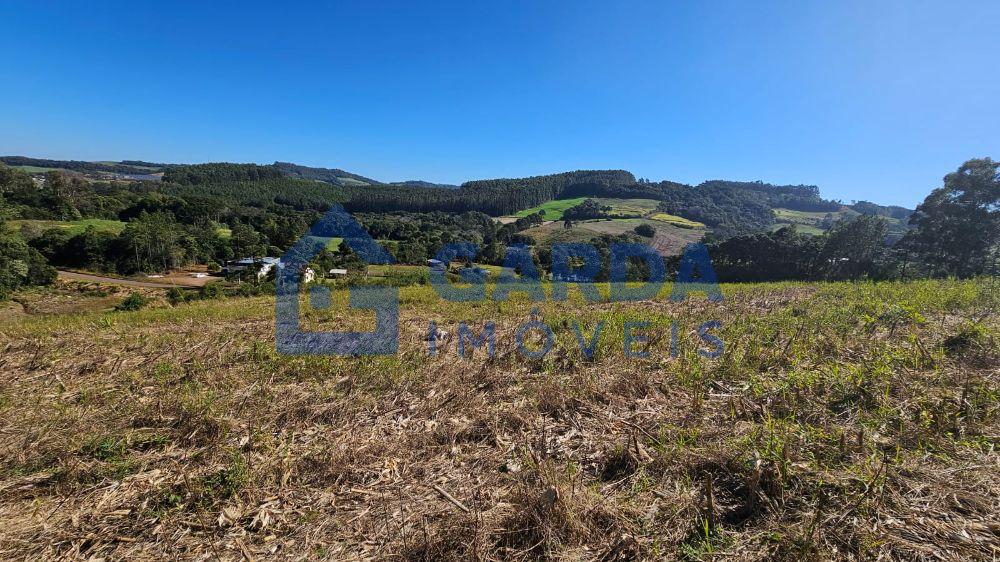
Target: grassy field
(812,222)
(621,209)
(803,228)
(676,221)
(669,239)
(553,209)
(629,207)
(841,421)
(35,169)
(73,227)
(581,231)
(806,221)
(76,227)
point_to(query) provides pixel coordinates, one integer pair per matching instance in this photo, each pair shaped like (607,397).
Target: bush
(589,209)
(212,291)
(21,265)
(253,290)
(133,302)
(175,296)
(645,230)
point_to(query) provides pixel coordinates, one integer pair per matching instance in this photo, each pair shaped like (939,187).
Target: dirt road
(193,283)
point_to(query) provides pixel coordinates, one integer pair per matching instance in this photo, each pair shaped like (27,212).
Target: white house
(335,272)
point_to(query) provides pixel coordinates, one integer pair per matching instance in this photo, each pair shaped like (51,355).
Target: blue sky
(868,100)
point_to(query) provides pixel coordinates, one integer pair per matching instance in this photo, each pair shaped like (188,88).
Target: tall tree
(957,227)
(853,246)
(247,242)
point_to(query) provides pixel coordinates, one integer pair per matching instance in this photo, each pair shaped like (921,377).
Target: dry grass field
(851,421)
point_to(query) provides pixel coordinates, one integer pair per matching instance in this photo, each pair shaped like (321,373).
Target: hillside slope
(728,208)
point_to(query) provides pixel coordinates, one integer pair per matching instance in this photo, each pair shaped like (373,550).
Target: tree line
(954,232)
(212,213)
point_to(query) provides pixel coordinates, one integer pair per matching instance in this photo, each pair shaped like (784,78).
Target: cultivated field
(842,421)
(676,221)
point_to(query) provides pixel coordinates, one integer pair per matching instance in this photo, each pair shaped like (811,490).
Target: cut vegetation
(842,421)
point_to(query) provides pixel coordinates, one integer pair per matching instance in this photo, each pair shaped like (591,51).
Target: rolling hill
(726,208)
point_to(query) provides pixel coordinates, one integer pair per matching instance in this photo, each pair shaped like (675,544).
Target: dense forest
(210,213)
(731,208)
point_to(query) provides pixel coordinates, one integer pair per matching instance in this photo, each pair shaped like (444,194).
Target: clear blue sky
(868,100)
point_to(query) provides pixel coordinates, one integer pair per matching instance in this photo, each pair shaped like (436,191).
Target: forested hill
(334,176)
(727,207)
(79,166)
(337,176)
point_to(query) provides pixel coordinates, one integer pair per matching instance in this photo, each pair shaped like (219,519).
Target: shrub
(133,302)
(212,291)
(175,296)
(645,230)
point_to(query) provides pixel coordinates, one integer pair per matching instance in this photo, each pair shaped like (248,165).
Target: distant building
(337,272)
(265,265)
(308,275)
(435,264)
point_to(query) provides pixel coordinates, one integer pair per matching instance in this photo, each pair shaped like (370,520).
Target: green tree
(21,265)
(767,256)
(247,242)
(853,246)
(957,227)
(57,192)
(14,181)
(645,230)
(152,242)
(412,253)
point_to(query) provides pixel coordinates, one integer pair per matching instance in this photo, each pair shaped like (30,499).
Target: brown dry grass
(182,435)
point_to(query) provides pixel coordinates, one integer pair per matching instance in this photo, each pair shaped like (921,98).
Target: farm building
(265,265)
